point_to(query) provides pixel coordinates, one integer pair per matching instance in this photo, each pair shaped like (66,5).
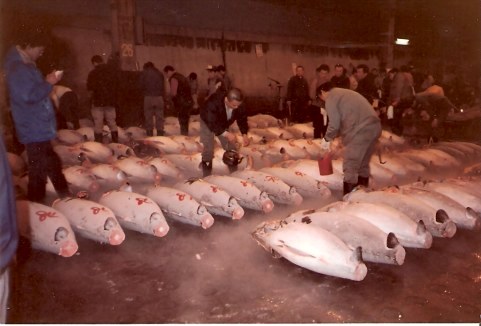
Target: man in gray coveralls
(354,119)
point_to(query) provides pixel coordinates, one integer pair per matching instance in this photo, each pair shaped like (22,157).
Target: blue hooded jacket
(32,109)
(8,217)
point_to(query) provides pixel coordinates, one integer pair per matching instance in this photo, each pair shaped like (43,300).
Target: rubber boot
(232,168)
(206,168)
(98,137)
(115,136)
(363,181)
(348,187)
(150,132)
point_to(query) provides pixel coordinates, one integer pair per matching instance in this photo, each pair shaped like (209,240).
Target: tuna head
(159,227)
(67,248)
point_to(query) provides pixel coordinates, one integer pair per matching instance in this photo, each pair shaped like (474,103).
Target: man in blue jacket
(218,113)
(34,115)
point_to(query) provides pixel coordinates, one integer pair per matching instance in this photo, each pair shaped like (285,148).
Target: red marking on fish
(97,210)
(42,215)
(141,201)
(180,196)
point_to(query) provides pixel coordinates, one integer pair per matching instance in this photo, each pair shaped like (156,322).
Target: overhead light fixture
(402,41)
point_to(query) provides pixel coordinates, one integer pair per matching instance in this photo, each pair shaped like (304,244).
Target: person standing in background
(102,82)
(297,96)
(33,113)
(66,102)
(194,89)
(340,78)
(212,80)
(181,96)
(366,86)
(316,107)
(151,83)
(226,80)
(401,97)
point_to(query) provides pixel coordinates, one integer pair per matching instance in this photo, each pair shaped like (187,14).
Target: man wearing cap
(218,113)
(212,80)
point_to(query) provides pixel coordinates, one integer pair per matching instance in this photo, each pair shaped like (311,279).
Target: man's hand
(53,77)
(325,145)
(229,136)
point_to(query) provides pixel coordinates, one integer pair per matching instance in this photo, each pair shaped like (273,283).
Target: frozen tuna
(312,248)
(245,192)
(377,245)
(91,220)
(46,228)
(180,206)
(136,212)
(279,191)
(216,200)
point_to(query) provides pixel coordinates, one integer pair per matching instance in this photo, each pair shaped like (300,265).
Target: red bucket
(325,164)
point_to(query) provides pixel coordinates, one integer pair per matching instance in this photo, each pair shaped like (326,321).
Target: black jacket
(103,82)
(215,116)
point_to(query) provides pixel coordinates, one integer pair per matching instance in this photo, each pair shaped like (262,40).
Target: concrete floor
(221,275)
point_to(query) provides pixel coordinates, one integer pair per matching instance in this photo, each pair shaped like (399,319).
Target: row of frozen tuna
(302,173)
(261,126)
(373,226)
(192,201)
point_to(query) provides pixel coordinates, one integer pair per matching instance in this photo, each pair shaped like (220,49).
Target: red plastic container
(325,164)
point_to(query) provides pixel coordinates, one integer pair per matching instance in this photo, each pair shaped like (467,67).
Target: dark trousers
(43,162)
(317,121)
(183,107)
(396,125)
(299,111)
(68,107)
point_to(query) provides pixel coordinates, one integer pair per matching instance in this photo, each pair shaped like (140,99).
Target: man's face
(232,104)
(323,95)
(34,52)
(300,71)
(360,74)
(323,74)
(338,71)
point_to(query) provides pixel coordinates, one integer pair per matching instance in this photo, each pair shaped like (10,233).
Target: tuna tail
(356,255)
(441,216)
(471,213)
(392,241)
(421,228)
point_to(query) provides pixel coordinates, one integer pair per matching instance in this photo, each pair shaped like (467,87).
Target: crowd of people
(400,97)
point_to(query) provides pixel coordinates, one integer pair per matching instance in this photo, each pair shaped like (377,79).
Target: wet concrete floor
(221,275)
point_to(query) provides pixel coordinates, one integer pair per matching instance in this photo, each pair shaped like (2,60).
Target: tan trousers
(100,113)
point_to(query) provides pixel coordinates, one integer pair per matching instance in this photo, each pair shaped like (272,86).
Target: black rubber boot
(98,137)
(348,187)
(206,168)
(115,136)
(363,181)
(232,168)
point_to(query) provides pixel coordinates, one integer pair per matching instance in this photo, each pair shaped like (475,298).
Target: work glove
(325,145)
